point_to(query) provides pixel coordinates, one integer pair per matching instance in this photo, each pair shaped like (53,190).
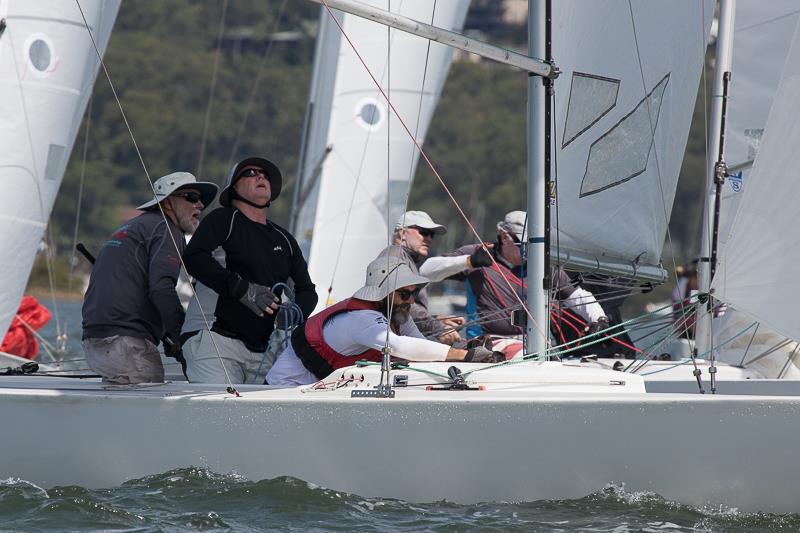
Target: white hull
(521,439)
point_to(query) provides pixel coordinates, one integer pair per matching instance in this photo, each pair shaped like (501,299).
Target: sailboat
(522,430)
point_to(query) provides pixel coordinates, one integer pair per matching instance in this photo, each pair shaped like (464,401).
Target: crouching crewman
(356,329)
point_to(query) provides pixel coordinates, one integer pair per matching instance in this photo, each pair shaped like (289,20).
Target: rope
(207,120)
(287,318)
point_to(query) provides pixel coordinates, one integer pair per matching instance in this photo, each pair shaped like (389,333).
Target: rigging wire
(214,72)
(429,163)
(251,99)
(231,389)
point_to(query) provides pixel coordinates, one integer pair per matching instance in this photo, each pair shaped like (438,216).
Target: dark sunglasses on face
(406,294)
(252,172)
(191,196)
(425,232)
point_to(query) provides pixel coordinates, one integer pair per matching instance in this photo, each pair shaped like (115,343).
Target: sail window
(370,114)
(590,97)
(40,55)
(55,158)
(623,151)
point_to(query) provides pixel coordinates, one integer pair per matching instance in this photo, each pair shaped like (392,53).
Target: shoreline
(44,294)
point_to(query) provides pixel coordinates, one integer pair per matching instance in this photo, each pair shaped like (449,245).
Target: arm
(198,257)
(162,273)
(440,268)
(403,347)
(585,304)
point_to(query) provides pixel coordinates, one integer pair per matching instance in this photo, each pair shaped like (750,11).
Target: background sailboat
(358,161)
(48,65)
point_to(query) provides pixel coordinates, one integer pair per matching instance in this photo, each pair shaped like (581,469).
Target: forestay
(47,68)
(359,161)
(757,273)
(624,102)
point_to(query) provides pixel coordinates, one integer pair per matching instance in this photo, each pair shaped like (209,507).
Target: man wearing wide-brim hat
(358,328)
(131,303)
(243,257)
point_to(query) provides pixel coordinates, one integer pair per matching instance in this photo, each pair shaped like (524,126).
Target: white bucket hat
(514,223)
(166,185)
(385,275)
(419,219)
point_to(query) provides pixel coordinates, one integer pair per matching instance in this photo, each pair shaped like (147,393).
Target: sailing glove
(480,258)
(258,298)
(480,354)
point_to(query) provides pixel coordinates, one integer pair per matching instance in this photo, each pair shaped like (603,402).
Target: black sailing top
(259,253)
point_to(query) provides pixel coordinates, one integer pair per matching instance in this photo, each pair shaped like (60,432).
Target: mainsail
(48,65)
(358,161)
(622,115)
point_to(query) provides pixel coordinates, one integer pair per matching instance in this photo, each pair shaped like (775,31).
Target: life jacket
(316,355)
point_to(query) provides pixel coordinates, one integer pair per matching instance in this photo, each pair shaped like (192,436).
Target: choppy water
(196,499)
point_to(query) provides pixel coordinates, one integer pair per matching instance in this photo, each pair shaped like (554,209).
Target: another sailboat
(48,65)
(517,431)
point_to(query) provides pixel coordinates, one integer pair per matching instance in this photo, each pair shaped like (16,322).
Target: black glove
(479,354)
(480,258)
(595,327)
(172,348)
(258,298)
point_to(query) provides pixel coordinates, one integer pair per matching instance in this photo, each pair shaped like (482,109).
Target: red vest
(310,346)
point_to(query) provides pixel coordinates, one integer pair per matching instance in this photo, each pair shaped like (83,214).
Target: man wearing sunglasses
(358,328)
(493,290)
(131,302)
(239,257)
(413,237)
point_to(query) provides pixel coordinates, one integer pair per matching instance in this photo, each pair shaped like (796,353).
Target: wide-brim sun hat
(385,275)
(273,175)
(166,185)
(419,219)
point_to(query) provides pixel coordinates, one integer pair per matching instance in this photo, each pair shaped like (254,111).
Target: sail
(358,161)
(761,41)
(623,106)
(47,68)
(757,272)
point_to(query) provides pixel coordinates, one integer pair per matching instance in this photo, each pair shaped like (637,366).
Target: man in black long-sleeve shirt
(131,303)
(258,254)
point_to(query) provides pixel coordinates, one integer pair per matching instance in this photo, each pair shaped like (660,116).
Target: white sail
(624,101)
(760,43)
(757,271)
(47,68)
(359,161)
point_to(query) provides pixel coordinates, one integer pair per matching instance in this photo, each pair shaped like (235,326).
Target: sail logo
(736,182)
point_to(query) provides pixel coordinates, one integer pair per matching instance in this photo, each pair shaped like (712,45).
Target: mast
(538,231)
(716,136)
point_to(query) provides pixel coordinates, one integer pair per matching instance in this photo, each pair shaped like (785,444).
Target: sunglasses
(253,172)
(425,232)
(406,294)
(191,196)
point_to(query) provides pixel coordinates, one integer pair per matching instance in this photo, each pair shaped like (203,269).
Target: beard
(400,314)
(187,223)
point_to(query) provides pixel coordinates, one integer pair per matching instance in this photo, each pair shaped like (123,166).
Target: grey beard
(399,316)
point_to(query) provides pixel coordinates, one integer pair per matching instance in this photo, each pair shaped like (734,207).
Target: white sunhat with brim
(419,219)
(385,275)
(166,185)
(514,223)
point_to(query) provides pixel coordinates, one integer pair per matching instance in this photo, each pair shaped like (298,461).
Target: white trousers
(208,361)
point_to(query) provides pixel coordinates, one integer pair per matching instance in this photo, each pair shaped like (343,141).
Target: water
(196,499)
(201,500)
